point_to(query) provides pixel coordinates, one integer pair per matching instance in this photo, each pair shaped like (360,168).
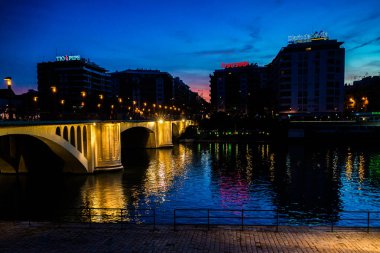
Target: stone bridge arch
(60,139)
(179,127)
(84,147)
(160,132)
(138,137)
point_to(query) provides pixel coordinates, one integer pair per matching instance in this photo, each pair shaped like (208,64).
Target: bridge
(80,147)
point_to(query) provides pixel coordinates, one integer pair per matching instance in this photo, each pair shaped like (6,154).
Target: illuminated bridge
(80,147)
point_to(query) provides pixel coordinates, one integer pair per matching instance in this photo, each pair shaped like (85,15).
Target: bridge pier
(164,134)
(105,147)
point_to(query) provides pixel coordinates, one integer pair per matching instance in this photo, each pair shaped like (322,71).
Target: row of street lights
(130,109)
(145,110)
(360,104)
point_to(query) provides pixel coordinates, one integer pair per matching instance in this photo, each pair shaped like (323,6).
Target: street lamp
(35,104)
(83,94)
(8,81)
(53,89)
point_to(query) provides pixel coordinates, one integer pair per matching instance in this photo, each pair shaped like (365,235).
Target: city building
(239,89)
(72,85)
(190,101)
(7,103)
(308,75)
(144,86)
(152,93)
(363,95)
(28,106)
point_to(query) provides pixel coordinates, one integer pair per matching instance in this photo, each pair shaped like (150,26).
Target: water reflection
(104,190)
(306,186)
(300,180)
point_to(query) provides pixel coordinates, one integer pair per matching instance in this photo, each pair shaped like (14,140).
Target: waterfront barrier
(201,217)
(274,218)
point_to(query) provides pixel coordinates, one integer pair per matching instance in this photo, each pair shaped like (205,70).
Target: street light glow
(8,81)
(53,89)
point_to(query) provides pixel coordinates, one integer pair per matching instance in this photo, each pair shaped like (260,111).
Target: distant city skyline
(188,40)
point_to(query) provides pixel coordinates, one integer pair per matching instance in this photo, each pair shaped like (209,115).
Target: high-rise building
(308,75)
(237,88)
(71,84)
(144,86)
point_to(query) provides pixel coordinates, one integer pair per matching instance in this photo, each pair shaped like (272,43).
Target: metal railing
(243,218)
(90,216)
(274,218)
(108,215)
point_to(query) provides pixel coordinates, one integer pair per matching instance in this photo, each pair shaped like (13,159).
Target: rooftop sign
(294,39)
(68,58)
(235,64)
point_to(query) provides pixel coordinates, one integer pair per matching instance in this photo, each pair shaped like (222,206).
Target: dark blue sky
(189,39)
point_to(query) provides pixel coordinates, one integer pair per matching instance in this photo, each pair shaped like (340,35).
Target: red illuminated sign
(235,64)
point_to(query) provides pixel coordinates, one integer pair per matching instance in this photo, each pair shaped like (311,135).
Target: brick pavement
(44,238)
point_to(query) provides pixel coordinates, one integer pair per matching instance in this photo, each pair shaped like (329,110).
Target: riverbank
(21,237)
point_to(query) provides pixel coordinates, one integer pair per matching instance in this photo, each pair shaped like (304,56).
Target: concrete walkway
(43,238)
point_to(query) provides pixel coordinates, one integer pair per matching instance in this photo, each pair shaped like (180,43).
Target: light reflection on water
(300,180)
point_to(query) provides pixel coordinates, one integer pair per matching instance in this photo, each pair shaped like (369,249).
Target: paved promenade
(49,238)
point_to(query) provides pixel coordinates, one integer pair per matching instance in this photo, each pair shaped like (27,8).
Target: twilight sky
(188,39)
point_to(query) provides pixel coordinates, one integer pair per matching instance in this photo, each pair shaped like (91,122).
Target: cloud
(365,44)
(371,17)
(375,63)
(350,26)
(251,27)
(255,34)
(227,51)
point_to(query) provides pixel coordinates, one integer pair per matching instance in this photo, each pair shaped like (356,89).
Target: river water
(299,180)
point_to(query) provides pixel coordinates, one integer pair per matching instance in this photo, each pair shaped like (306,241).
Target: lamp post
(53,90)
(83,103)
(8,82)
(101,97)
(133,108)
(121,111)
(35,103)
(62,102)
